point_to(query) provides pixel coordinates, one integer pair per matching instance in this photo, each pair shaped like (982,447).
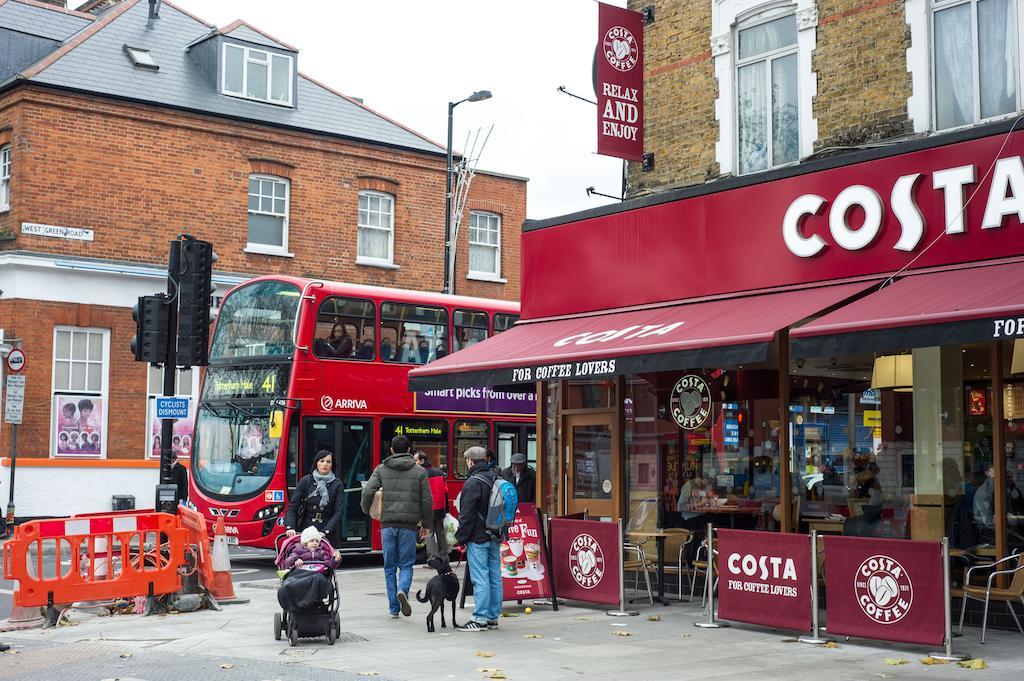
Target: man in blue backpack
(481,543)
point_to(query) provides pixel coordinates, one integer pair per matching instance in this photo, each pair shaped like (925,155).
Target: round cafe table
(659,537)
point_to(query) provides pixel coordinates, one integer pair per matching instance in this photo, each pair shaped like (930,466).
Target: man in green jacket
(406,505)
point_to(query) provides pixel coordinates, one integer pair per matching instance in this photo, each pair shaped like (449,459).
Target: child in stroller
(308,594)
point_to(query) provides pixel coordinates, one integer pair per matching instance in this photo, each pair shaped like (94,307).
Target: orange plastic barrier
(95,558)
(195,524)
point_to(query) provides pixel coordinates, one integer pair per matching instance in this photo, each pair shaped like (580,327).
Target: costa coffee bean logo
(586,561)
(620,49)
(883,589)
(690,402)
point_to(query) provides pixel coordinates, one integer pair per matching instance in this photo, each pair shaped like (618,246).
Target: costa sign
(585,557)
(883,588)
(690,402)
(620,83)
(1005,197)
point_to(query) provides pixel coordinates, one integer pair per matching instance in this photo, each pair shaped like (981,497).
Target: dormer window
(257,74)
(140,57)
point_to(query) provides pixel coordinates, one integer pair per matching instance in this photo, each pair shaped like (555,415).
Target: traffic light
(151,333)
(194,299)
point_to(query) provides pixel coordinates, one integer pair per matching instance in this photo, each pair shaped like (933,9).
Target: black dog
(442,587)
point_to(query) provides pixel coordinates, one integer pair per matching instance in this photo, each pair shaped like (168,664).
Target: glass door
(593,466)
(349,440)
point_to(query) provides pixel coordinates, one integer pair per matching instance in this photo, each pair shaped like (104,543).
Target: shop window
(80,369)
(484,245)
(591,395)
(376,230)
(504,322)
(345,329)
(975,53)
(469,434)
(268,215)
(427,436)
(413,334)
(470,328)
(183,430)
(257,74)
(5,177)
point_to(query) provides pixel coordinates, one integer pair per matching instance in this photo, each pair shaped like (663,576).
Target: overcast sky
(408,59)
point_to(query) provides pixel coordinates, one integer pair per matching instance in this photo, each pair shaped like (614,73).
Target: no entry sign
(16,360)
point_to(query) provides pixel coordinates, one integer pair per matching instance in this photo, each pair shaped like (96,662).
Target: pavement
(576,642)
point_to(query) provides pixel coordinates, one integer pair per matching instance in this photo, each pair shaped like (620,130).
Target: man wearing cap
(482,551)
(523,477)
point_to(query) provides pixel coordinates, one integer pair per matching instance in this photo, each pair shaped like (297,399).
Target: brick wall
(138,175)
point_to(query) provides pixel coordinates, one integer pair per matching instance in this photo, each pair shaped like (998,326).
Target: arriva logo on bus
(1005,197)
(328,403)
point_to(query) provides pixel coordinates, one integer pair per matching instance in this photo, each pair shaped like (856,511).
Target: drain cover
(349,637)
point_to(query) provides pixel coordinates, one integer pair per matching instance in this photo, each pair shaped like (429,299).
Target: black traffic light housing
(151,329)
(195,292)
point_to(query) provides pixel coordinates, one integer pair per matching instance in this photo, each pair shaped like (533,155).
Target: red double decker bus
(298,365)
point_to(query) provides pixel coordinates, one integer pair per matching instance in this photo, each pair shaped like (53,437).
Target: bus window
(234,452)
(291,477)
(504,322)
(469,434)
(256,320)
(470,328)
(420,333)
(345,329)
(427,436)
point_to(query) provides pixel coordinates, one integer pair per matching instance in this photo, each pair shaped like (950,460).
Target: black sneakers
(492,624)
(403,603)
(473,625)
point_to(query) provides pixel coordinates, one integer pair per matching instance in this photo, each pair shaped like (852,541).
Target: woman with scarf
(316,500)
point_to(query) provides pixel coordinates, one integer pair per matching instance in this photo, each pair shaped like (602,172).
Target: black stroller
(308,599)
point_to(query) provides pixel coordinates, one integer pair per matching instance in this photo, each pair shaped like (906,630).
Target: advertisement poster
(620,83)
(523,563)
(477,401)
(181,440)
(765,578)
(80,426)
(586,560)
(888,589)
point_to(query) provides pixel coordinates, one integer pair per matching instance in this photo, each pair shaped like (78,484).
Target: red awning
(715,333)
(949,307)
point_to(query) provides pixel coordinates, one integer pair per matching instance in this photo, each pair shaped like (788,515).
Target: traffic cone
(221,588)
(21,616)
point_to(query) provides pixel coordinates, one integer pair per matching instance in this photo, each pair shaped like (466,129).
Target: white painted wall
(65,491)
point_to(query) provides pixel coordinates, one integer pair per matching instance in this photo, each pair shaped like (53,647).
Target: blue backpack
(501,506)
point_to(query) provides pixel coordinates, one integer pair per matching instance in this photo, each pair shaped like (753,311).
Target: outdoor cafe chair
(987,593)
(681,568)
(636,565)
(700,566)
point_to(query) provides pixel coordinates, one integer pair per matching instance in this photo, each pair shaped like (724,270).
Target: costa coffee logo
(627,333)
(328,403)
(586,561)
(1005,197)
(883,589)
(620,48)
(690,402)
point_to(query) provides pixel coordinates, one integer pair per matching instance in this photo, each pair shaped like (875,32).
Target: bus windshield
(256,320)
(235,454)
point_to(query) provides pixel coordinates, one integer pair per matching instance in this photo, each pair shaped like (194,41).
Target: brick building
(120,130)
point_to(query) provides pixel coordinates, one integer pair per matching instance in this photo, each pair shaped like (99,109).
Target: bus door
(516,437)
(349,440)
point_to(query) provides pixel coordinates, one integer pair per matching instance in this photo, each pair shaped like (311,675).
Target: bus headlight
(269,512)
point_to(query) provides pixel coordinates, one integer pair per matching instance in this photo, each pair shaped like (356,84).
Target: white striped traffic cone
(222,588)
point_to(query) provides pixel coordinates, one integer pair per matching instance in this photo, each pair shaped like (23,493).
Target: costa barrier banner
(889,589)
(620,83)
(765,578)
(586,561)
(524,563)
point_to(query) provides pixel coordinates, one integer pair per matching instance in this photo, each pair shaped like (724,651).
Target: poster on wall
(80,426)
(523,561)
(182,433)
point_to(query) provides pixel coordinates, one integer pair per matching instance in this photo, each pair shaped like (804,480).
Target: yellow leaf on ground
(496,674)
(622,633)
(533,636)
(654,618)
(685,635)
(484,653)
(977,663)
(830,644)
(896,661)
(509,614)
(223,666)
(583,619)
(933,660)
(487,670)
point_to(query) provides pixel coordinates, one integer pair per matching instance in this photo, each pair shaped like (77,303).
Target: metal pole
(170,368)
(14,466)
(621,612)
(948,653)
(815,636)
(449,276)
(709,587)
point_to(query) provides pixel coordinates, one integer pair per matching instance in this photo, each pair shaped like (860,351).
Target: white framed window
(975,61)
(376,231)
(81,366)
(257,74)
(484,245)
(5,177)
(187,387)
(268,215)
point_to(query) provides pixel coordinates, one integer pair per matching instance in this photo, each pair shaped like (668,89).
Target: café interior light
(895,372)
(1017,363)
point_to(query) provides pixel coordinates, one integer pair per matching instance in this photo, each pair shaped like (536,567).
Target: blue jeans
(485,571)
(399,555)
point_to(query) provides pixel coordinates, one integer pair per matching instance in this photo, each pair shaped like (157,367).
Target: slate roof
(94,61)
(45,22)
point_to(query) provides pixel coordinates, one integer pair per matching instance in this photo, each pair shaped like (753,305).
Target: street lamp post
(449,274)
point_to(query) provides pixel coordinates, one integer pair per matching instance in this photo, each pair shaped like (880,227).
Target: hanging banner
(586,561)
(888,589)
(765,578)
(620,83)
(523,563)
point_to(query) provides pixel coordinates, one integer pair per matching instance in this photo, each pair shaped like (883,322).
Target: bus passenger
(365,350)
(339,343)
